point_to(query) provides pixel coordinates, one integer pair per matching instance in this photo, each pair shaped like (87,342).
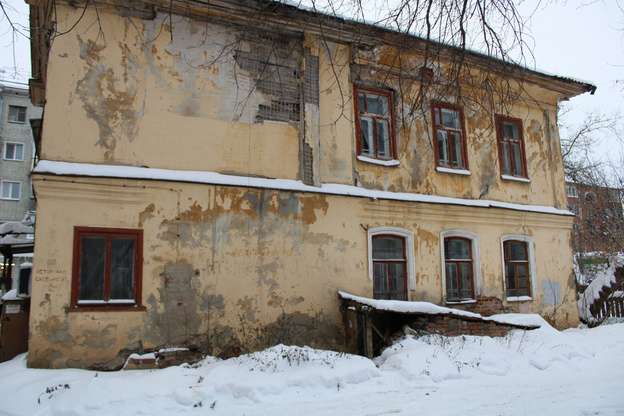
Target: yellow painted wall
(266,264)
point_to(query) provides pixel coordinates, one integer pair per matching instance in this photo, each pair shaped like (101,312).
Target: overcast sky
(584,42)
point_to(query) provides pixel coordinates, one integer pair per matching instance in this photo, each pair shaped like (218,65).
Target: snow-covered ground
(540,372)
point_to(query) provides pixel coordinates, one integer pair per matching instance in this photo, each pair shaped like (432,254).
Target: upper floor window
(13,151)
(17,114)
(450,136)
(375,123)
(510,146)
(572,191)
(389,267)
(11,190)
(107,267)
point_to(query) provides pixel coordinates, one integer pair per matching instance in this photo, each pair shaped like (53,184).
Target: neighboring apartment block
(212,174)
(17,146)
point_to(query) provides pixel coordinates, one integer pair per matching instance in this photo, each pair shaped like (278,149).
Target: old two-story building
(213,173)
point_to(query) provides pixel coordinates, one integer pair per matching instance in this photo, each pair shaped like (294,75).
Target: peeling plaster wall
(225,265)
(144,93)
(535,106)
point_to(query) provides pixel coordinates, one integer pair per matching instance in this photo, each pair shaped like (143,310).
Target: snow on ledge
(519,298)
(130,172)
(515,178)
(378,161)
(455,171)
(401,306)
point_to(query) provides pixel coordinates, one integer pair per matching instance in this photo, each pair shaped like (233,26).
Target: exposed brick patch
(485,306)
(451,326)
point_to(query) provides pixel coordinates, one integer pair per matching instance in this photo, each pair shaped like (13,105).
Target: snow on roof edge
(214,178)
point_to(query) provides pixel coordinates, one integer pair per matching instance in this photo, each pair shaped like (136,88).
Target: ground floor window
(516,268)
(107,267)
(389,267)
(458,269)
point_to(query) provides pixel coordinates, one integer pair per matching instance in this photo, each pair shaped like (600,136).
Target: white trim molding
(476,262)
(409,253)
(532,274)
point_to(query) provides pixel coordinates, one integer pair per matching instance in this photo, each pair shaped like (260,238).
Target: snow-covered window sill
(519,299)
(392,162)
(455,171)
(460,302)
(515,178)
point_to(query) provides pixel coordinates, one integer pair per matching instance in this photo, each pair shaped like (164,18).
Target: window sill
(10,199)
(13,160)
(461,302)
(455,171)
(16,122)
(105,308)
(366,159)
(515,178)
(519,299)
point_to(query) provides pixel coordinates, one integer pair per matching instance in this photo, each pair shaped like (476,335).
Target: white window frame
(532,275)
(572,191)
(476,263)
(11,199)
(409,254)
(6,144)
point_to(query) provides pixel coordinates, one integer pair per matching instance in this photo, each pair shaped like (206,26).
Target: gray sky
(584,42)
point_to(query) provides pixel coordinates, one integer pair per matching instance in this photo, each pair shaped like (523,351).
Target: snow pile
(575,372)
(603,276)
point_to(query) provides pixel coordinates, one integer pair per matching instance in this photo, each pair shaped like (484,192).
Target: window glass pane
(511,130)
(15,190)
(6,190)
(466,284)
(505,157)
(367,135)
(450,118)
(377,104)
(92,268)
(9,152)
(452,283)
(381,280)
(19,152)
(388,248)
(122,268)
(361,103)
(443,148)
(383,140)
(457,150)
(397,281)
(17,114)
(517,158)
(459,249)
(517,250)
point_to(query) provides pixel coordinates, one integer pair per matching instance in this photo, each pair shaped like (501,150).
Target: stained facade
(210,181)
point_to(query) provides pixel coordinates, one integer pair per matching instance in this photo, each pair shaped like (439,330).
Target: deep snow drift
(540,372)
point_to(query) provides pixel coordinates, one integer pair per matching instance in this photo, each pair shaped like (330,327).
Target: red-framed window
(374,114)
(512,160)
(17,114)
(449,135)
(516,268)
(107,268)
(389,267)
(458,268)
